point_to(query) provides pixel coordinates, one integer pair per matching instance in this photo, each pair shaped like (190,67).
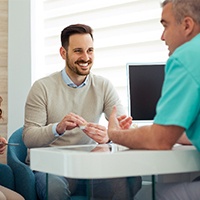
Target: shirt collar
(69,82)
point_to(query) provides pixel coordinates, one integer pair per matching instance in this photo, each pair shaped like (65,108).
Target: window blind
(125,31)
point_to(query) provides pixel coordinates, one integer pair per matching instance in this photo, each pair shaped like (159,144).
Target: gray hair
(185,8)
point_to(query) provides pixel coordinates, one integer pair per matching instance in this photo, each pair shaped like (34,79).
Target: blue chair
(6,176)
(23,176)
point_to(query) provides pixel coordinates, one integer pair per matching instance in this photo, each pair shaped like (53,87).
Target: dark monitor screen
(144,89)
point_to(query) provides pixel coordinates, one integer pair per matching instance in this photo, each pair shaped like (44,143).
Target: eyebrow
(79,48)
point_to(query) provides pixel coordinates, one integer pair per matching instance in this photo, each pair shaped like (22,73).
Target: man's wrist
(54,130)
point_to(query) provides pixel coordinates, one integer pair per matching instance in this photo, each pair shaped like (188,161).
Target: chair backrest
(19,151)
(23,176)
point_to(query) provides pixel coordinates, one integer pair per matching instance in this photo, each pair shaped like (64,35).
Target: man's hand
(69,122)
(3,141)
(118,123)
(124,122)
(97,132)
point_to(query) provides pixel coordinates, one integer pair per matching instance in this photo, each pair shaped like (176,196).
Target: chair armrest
(6,176)
(23,175)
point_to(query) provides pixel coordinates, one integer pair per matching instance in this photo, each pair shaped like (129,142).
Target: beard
(77,70)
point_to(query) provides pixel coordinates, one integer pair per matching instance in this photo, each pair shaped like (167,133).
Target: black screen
(144,89)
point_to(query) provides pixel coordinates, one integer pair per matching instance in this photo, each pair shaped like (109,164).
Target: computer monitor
(144,89)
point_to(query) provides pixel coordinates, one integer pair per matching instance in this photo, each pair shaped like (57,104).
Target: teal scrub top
(180,99)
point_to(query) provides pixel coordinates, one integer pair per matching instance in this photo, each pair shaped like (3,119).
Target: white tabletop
(112,161)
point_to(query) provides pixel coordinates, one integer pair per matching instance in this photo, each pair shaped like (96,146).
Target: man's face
(173,33)
(80,54)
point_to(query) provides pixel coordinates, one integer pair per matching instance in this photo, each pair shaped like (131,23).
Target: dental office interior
(125,31)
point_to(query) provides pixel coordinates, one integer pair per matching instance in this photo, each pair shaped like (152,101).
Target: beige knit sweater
(50,99)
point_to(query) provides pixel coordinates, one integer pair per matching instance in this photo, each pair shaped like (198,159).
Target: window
(124,32)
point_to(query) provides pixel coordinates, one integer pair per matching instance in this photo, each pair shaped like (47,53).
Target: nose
(85,56)
(162,37)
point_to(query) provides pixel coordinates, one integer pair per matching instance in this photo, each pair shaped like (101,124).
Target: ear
(189,25)
(63,52)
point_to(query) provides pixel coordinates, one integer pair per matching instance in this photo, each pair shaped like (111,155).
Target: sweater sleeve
(36,131)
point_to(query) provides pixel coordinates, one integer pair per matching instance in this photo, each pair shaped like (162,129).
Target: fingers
(71,117)
(117,123)
(126,123)
(122,117)
(69,122)
(3,141)
(95,129)
(96,132)
(2,149)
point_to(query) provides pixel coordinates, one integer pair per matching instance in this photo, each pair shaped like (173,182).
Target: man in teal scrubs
(178,109)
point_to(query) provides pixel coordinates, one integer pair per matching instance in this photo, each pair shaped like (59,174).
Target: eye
(77,50)
(164,25)
(90,50)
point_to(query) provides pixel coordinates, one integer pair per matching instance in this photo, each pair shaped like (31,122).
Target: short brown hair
(74,29)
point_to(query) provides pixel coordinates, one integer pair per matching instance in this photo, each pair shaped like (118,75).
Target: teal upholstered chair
(23,175)
(6,176)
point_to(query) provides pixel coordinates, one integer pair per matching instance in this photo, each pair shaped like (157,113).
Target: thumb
(113,114)
(114,111)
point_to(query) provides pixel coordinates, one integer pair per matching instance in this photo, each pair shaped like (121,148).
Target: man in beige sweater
(64,109)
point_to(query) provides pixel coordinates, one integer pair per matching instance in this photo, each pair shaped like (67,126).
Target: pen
(11,144)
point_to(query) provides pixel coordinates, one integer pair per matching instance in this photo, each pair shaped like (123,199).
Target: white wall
(19,61)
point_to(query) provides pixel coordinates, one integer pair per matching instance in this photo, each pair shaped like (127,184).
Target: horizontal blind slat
(124,32)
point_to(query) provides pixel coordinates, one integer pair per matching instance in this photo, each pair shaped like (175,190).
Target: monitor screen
(144,89)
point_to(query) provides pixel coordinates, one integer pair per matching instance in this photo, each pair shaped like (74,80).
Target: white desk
(77,162)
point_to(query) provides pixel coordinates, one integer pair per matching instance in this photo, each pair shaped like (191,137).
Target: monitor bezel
(138,121)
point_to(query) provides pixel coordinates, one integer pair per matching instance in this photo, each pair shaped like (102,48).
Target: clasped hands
(95,131)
